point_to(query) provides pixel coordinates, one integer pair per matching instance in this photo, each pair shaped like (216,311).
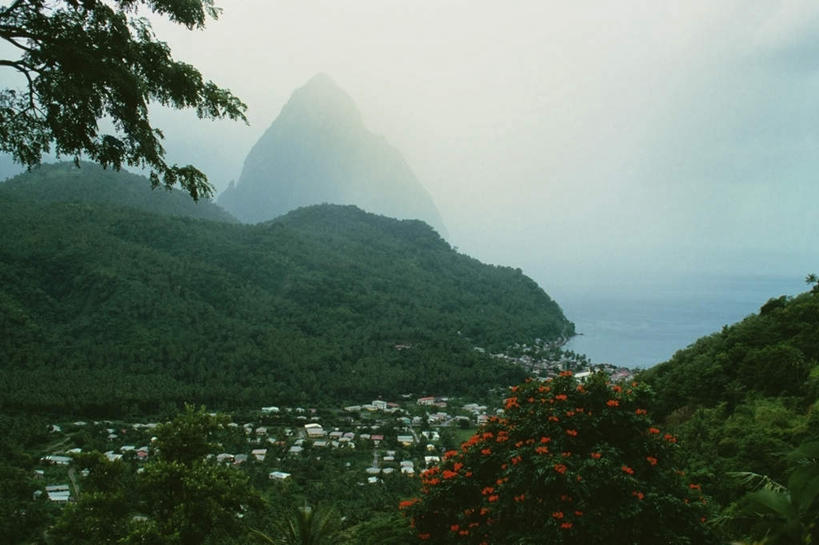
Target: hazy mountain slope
(64,182)
(107,309)
(319,151)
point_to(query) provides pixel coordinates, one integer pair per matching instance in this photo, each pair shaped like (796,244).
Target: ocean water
(646,324)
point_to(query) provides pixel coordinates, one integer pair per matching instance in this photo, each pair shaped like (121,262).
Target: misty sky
(583,143)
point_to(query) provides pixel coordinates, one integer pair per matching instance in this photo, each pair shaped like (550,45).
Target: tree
(782,514)
(181,497)
(567,463)
(82,61)
(306,526)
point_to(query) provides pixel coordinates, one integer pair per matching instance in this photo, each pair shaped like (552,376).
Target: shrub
(567,463)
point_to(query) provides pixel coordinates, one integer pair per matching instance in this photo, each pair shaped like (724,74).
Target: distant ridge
(319,151)
(65,182)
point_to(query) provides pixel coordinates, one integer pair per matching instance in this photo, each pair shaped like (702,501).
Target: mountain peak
(318,150)
(323,102)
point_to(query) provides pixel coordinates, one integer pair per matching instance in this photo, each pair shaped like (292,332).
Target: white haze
(596,144)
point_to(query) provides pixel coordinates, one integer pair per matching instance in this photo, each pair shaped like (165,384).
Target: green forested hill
(106,309)
(743,398)
(65,182)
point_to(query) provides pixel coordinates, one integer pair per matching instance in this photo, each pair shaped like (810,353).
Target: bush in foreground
(567,463)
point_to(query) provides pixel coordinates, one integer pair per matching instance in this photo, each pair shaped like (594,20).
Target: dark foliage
(108,310)
(81,62)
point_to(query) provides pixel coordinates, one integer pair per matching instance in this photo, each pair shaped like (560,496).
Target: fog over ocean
(642,327)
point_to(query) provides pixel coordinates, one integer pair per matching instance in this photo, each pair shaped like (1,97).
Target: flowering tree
(567,463)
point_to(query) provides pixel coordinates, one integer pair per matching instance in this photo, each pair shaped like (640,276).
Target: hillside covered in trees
(743,398)
(107,308)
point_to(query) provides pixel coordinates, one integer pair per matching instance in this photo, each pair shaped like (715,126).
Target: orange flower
(449,454)
(596,455)
(487,490)
(566,373)
(578,513)
(493,498)
(573,433)
(454,527)
(612,403)
(558,515)
(561,397)
(651,460)
(654,431)
(545,439)
(408,503)
(542,450)
(637,494)
(520,498)
(423,537)
(616,388)
(560,468)
(566,525)
(450,474)
(640,411)
(486,452)
(627,469)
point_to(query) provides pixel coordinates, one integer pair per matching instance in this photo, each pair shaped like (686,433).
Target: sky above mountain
(583,143)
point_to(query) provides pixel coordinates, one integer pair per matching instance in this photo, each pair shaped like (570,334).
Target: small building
(225,458)
(58,493)
(56,460)
(278,475)
(239,459)
(270,410)
(314,430)
(259,453)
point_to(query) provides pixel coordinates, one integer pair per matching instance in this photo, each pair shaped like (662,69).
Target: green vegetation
(325,304)
(743,400)
(181,497)
(566,464)
(81,62)
(782,514)
(90,183)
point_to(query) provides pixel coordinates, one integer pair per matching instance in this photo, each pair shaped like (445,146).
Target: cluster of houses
(413,441)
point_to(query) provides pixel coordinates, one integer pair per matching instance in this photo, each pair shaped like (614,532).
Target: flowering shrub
(566,463)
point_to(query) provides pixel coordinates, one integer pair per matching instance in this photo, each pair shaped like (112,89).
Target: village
(376,440)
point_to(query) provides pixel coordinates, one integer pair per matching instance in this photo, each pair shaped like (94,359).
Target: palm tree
(784,514)
(306,526)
